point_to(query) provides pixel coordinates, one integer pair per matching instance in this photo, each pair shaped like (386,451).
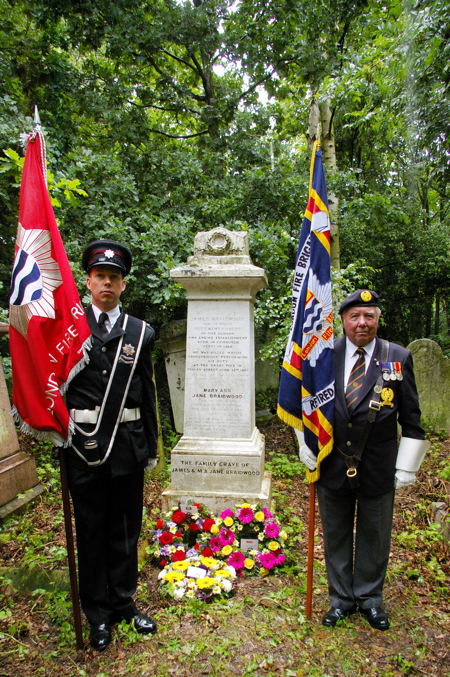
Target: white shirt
(351,356)
(113,316)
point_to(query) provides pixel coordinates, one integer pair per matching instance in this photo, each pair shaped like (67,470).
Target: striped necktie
(355,379)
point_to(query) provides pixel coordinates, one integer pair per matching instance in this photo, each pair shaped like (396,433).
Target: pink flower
(267,513)
(215,543)
(272,529)
(267,560)
(227,513)
(236,560)
(280,559)
(226,537)
(245,515)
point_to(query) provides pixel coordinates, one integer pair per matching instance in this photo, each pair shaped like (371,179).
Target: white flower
(226,585)
(178,593)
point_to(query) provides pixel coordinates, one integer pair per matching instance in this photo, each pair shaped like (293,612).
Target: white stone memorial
(219,460)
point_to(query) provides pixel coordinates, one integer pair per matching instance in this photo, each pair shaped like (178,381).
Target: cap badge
(109,253)
(366,296)
(387,395)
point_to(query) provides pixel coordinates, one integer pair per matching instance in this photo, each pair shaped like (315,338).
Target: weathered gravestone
(432,371)
(17,470)
(219,460)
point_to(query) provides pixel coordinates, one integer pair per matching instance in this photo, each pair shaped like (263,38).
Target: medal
(392,377)
(398,371)
(378,389)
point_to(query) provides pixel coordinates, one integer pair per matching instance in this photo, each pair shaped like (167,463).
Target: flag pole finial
(37,119)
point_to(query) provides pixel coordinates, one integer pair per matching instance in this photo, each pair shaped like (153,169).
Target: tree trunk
(329,157)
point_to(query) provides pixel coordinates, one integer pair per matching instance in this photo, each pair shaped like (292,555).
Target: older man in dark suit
(375,391)
(112,407)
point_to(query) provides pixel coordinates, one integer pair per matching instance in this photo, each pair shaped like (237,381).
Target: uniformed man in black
(375,392)
(112,407)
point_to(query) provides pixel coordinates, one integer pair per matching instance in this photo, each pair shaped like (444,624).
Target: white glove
(304,453)
(403,478)
(152,462)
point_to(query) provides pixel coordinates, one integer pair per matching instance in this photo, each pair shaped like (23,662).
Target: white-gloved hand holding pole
(304,452)
(409,458)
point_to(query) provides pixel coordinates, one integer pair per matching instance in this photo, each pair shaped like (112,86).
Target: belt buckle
(376,406)
(352,471)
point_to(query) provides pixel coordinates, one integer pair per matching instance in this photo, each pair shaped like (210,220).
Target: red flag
(49,333)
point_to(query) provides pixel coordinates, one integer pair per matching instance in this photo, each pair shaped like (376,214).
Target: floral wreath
(191,545)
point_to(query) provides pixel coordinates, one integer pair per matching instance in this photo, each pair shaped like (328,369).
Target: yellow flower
(228,521)
(245,505)
(273,545)
(173,576)
(223,572)
(263,572)
(249,563)
(226,550)
(259,516)
(206,582)
(215,529)
(180,566)
(208,561)
(283,535)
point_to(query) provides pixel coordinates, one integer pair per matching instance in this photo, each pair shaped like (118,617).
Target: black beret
(107,253)
(360,297)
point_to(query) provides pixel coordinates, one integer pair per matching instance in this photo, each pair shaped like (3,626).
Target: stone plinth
(17,470)
(220,458)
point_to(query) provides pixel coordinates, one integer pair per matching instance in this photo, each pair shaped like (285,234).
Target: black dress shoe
(336,614)
(143,624)
(377,618)
(100,636)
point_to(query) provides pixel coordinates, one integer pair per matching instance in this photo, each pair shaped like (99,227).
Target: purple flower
(267,560)
(236,560)
(215,544)
(245,515)
(226,537)
(272,529)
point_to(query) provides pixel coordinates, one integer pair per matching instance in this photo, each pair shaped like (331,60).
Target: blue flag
(306,393)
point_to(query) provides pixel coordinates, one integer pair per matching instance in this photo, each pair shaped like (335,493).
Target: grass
(262,630)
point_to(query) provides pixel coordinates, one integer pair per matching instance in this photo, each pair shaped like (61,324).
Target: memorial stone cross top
(219,460)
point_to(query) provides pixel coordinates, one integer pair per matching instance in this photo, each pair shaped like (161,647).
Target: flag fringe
(87,344)
(40,435)
(314,475)
(288,418)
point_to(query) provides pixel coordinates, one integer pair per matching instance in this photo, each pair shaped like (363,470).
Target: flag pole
(310,559)
(76,610)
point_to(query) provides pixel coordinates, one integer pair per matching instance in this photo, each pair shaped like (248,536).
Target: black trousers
(357,537)
(108,519)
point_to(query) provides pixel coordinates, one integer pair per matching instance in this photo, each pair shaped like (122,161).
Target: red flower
(178,517)
(207,552)
(177,534)
(194,526)
(162,562)
(178,555)
(207,524)
(196,546)
(160,524)
(166,538)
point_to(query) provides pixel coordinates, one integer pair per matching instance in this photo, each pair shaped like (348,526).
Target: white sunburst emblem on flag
(34,278)
(318,320)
